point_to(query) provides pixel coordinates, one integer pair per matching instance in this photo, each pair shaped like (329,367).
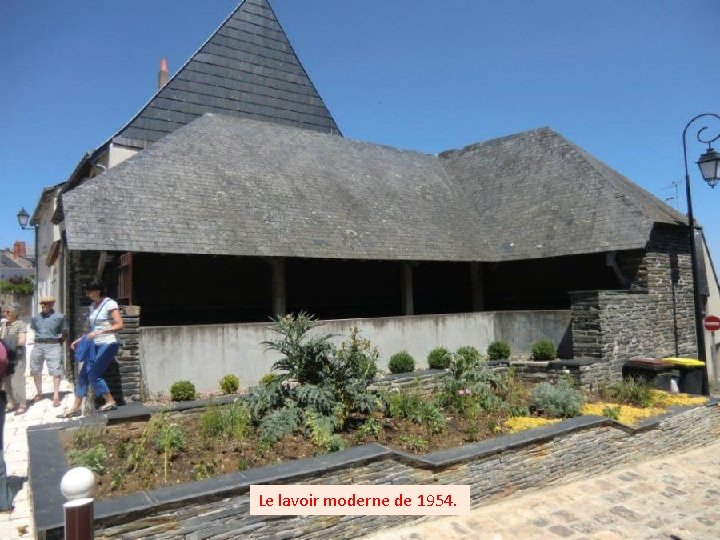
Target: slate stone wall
(591,447)
(123,375)
(646,318)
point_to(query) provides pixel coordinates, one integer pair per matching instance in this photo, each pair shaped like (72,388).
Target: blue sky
(620,78)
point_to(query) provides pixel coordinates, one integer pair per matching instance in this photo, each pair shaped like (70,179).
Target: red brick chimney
(18,250)
(163,73)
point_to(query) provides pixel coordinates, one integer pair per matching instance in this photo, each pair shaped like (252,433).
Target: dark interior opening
(544,283)
(442,287)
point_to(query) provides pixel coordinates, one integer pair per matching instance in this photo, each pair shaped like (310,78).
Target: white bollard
(77,485)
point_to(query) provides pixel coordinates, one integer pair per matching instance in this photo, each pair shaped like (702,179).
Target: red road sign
(712,323)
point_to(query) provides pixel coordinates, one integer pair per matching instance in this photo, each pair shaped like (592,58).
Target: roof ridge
(469,147)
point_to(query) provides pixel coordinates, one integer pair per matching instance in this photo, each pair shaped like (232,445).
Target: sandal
(37,398)
(108,407)
(70,414)
(20,410)
(56,402)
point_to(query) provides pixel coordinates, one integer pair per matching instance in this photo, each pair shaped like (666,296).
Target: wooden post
(278,287)
(408,307)
(79,517)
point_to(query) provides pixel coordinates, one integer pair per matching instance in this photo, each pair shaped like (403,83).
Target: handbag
(85,350)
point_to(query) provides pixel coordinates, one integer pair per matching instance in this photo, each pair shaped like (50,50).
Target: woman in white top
(104,322)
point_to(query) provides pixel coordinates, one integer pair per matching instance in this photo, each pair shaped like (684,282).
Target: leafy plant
(205,468)
(279,424)
(404,404)
(558,400)
(306,359)
(268,378)
(229,384)
(182,391)
(612,412)
(117,479)
(632,392)
(414,443)
(17,284)
(370,428)
(226,422)
(169,439)
(470,355)
(401,362)
(439,358)
(93,458)
(498,350)
(544,350)
(87,437)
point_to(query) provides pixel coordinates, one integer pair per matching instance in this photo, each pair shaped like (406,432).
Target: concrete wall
(205,353)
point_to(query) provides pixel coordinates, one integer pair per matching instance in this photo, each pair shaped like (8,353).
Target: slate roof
(539,195)
(247,68)
(223,185)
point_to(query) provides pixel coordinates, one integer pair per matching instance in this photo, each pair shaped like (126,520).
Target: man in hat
(51,330)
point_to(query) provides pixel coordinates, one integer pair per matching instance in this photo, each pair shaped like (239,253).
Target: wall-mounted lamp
(23,217)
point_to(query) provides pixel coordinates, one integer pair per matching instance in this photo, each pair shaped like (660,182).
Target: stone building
(232,196)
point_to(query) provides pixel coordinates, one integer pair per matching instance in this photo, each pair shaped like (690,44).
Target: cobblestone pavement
(18,523)
(673,498)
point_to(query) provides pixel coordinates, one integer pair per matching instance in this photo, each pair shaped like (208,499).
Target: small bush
(470,355)
(182,391)
(268,378)
(559,400)
(544,350)
(401,362)
(414,443)
(93,458)
(498,350)
(229,384)
(370,428)
(632,392)
(439,358)
(612,412)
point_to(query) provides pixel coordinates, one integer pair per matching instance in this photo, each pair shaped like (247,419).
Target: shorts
(51,354)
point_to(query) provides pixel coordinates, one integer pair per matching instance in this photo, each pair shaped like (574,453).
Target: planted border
(494,468)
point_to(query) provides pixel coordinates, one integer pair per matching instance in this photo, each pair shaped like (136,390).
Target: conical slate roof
(247,68)
(231,186)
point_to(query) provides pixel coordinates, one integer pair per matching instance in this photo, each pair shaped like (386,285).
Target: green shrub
(229,384)
(93,458)
(182,391)
(231,421)
(498,350)
(401,362)
(404,404)
(632,392)
(544,350)
(439,358)
(470,355)
(414,443)
(612,412)
(370,428)
(268,378)
(559,400)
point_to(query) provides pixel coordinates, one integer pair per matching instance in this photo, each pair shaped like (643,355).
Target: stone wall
(645,319)
(123,376)
(219,508)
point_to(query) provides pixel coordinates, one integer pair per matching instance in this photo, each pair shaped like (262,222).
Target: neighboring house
(16,263)
(232,196)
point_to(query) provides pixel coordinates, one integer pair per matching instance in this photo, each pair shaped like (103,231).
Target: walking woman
(104,323)
(12,332)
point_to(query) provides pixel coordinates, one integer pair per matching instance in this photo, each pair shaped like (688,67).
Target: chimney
(18,250)
(163,73)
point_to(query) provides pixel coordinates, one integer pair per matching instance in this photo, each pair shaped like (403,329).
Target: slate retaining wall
(218,508)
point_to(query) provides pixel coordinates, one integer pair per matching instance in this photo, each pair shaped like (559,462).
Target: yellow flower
(665,399)
(628,415)
(522,423)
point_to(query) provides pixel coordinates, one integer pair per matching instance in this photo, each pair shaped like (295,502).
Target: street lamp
(23,218)
(709,164)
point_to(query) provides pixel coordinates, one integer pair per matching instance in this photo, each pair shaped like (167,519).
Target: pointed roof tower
(247,68)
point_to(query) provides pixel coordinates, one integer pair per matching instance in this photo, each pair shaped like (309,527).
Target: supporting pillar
(278,286)
(476,287)
(408,307)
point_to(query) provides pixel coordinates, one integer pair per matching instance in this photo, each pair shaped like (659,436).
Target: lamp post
(23,217)
(709,164)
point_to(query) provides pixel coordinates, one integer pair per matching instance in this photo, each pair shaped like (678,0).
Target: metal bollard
(77,486)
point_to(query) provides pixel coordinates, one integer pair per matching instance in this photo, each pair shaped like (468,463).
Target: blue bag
(85,350)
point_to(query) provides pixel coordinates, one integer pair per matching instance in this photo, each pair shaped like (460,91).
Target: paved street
(677,497)
(18,523)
